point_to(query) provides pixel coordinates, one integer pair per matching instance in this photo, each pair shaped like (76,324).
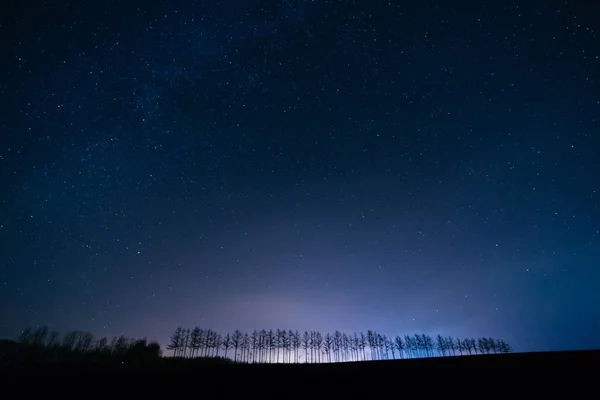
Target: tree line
(287,346)
(43,345)
(259,346)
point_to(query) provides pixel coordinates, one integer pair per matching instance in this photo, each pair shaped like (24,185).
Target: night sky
(405,167)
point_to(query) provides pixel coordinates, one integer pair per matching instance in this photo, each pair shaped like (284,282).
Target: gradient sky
(398,166)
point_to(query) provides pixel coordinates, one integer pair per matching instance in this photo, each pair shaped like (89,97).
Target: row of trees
(286,346)
(44,343)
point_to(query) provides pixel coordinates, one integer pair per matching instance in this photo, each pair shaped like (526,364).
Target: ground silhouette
(41,355)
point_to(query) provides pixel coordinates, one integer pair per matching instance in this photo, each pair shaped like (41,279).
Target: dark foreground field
(523,374)
(526,361)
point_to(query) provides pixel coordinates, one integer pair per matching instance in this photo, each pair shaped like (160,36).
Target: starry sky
(405,167)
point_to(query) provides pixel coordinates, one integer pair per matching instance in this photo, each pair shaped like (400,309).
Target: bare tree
(53,339)
(468,346)
(226,343)
(120,345)
(399,345)
(328,345)
(175,341)
(40,335)
(492,345)
(356,346)
(504,347)
(84,342)
(207,342)
(305,345)
(236,341)
(390,347)
(482,345)
(428,345)
(261,345)
(271,343)
(440,345)
(318,345)
(410,348)
(451,345)
(337,345)
(278,343)
(371,342)
(363,345)
(287,344)
(216,342)
(254,344)
(102,345)
(297,342)
(245,347)
(185,341)
(69,340)
(194,342)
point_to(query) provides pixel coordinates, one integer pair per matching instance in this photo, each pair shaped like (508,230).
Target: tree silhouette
(273,346)
(408,343)
(226,343)
(175,341)
(194,342)
(278,342)
(285,346)
(102,345)
(296,343)
(451,345)
(328,346)
(245,346)
(38,337)
(261,345)
(482,345)
(317,341)
(40,345)
(69,340)
(400,346)
(236,341)
(504,347)
(53,339)
(428,344)
(305,343)
(362,343)
(288,337)
(492,345)
(217,339)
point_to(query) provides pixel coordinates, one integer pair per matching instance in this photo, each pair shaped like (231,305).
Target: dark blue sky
(403,167)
